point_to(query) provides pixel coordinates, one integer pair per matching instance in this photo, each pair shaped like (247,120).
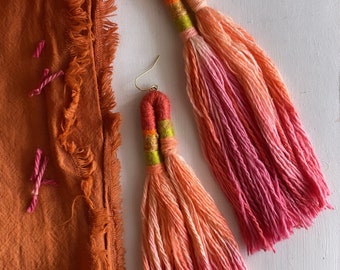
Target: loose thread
(37,178)
(45,81)
(39,49)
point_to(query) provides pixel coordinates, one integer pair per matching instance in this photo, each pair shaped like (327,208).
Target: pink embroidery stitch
(45,81)
(37,178)
(36,164)
(39,49)
(44,75)
(49,182)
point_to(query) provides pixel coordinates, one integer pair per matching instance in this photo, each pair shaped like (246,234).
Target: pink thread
(36,164)
(45,81)
(188,33)
(37,185)
(37,178)
(49,182)
(39,49)
(44,75)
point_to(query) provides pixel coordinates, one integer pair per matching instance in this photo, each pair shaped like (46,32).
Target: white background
(302,37)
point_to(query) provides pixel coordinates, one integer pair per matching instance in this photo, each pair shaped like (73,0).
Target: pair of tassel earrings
(252,139)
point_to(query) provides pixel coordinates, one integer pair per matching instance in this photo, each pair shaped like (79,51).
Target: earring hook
(154,86)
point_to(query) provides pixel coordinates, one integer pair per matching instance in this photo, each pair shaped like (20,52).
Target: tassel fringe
(105,222)
(250,132)
(182,227)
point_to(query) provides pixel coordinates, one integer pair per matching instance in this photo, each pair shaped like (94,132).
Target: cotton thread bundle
(305,196)
(231,155)
(182,228)
(273,178)
(278,91)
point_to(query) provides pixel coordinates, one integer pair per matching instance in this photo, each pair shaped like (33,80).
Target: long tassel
(296,185)
(182,228)
(228,148)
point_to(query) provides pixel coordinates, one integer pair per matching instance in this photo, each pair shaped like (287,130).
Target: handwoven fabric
(77,223)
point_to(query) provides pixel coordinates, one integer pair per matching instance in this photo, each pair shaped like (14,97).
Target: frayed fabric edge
(80,38)
(105,47)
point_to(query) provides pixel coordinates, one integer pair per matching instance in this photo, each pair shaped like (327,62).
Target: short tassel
(182,227)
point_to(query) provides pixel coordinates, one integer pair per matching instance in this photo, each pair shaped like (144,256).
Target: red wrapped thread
(182,228)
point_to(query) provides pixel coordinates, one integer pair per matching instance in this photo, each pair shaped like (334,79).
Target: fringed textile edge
(105,46)
(80,37)
(113,191)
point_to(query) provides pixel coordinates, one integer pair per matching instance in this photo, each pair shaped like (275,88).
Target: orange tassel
(182,227)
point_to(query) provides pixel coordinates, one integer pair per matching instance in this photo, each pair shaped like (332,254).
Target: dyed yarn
(251,135)
(285,147)
(40,164)
(182,227)
(45,80)
(39,49)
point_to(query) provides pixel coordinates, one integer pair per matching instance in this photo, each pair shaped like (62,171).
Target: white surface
(302,37)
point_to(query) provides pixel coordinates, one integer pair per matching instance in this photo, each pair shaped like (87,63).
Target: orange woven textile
(76,223)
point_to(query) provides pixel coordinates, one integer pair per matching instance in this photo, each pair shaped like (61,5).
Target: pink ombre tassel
(249,130)
(285,148)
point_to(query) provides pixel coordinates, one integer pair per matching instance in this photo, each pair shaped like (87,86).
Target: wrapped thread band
(179,15)
(151,153)
(156,124)
(151,142)
(165,129)
(152,158)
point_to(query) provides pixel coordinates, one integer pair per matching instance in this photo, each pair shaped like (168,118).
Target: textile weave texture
(77,222)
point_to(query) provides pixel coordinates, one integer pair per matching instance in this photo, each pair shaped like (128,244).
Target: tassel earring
(182,227)
(251,134)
